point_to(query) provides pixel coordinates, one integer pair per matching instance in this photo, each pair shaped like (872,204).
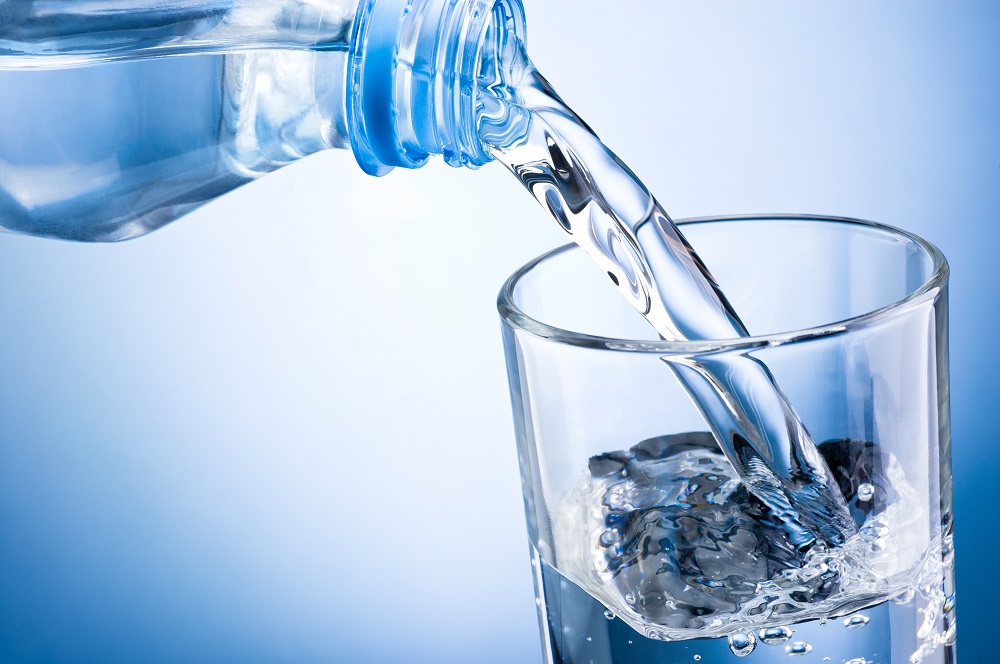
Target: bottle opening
(412,73)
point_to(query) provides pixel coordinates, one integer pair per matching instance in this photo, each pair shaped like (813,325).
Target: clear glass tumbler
(646,546)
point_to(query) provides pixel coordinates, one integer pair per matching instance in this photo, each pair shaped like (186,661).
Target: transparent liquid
(104,138)
(579,630)
(605,209)
(177,132)
(684,562)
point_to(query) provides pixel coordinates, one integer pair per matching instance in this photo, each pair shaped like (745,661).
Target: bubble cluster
(669,540)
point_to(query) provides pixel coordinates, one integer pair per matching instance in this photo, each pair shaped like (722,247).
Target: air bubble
(609,614)
(742,643)
(855,621)
(866,492)
(774,636)
(857,660)
(697,658)
(798,648)
(630,598)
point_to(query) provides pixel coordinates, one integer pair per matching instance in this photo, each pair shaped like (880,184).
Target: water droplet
(866,492)
(589,639)
(855,621)
(774,636)
(822,622)
(742,643)
(798,648)
(609,614)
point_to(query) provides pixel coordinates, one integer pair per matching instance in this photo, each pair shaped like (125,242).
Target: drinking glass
(645,545)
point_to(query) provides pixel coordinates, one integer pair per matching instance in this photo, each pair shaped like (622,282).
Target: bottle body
(112,151)
(115,125)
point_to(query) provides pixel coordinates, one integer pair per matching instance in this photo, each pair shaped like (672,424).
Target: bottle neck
(412,72)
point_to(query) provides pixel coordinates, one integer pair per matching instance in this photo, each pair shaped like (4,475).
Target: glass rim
(929,290)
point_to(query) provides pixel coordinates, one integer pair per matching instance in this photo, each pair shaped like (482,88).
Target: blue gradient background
(235,440)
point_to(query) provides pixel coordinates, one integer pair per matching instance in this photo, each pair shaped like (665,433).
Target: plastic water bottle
(105,135)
